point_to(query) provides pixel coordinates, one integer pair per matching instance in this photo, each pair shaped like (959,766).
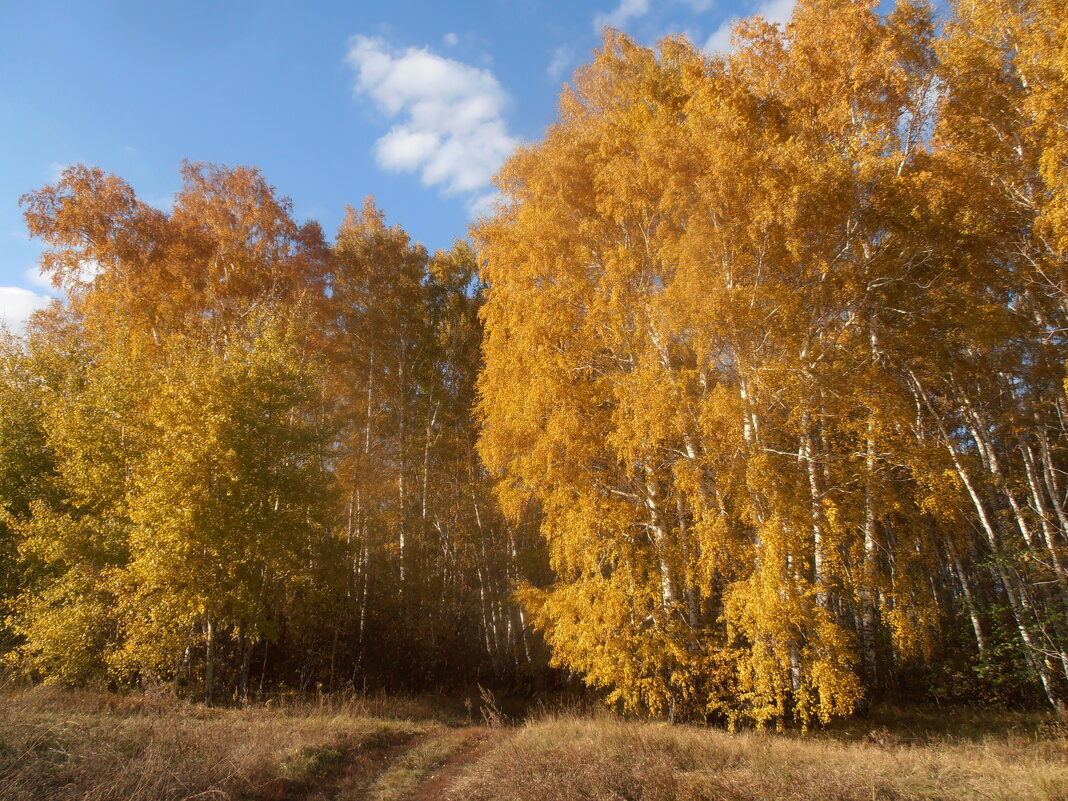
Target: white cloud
(451,39)
(777,11)
(780,11)
(720,40)
(404,149)
(562,58)
(17,304)
(90,269)
(451,131)
(483,205)
(621,14)
(34,277)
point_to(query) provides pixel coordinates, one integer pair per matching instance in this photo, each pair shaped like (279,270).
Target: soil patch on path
(435,785)
(422,769)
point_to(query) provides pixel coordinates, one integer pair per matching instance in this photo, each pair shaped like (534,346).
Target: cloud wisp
(450,126)
(778,11)
(563,57)
(16,306)
(626,11)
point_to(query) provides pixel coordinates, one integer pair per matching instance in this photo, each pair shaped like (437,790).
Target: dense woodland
(240,455)
(747,403)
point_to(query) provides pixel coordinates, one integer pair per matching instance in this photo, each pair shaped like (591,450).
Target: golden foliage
(719,289)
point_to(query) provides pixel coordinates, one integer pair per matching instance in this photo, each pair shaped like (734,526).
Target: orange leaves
(228,244)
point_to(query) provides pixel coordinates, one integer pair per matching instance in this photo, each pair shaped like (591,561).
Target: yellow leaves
(749,327)
(642,417)
(67,626)
(169,483)
(912,627)
(798,663)
(691,322)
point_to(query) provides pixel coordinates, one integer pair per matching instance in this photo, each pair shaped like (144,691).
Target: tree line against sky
(747,402)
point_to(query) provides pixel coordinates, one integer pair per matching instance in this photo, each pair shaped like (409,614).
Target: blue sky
(414,102)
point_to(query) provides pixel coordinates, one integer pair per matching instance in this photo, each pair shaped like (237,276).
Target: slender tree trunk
(1048,534)
(1014,593)
(819,579)
(969,600)
(366,559)
(426,460)
(263,667)
(688,588)
(209,661)
(668,594)
(246,644)
(333,658)
(868,591)
(795,667)
(869,583)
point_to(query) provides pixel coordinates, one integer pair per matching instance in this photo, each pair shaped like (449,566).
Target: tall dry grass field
(579,758)
(75,746)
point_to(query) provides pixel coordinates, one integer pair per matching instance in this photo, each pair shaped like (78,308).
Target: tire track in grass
(330,769)
(436,785)
(425,768)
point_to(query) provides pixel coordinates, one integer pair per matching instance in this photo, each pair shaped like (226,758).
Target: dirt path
(421,769)
(364,769)
(436,784)
(358,766)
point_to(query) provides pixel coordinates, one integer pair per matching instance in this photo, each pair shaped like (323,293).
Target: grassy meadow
(79,745)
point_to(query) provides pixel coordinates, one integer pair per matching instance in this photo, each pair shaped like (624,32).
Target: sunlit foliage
(758,324)
(763,352)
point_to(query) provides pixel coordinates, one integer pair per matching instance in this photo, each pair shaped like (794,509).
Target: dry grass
(569,757)
(76,746)
(70,746)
